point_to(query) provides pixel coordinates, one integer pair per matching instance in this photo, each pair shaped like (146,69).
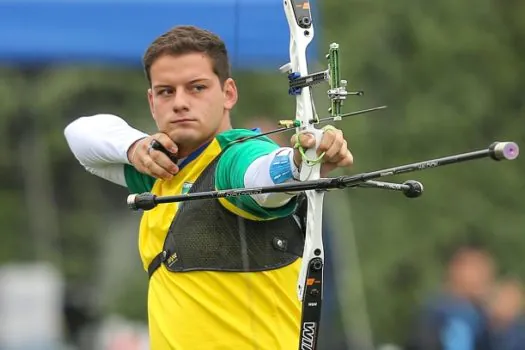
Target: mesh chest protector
(204,236)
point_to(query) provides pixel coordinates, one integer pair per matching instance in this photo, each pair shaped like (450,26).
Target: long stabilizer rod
(497,151)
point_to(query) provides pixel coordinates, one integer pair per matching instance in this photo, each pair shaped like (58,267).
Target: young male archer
(217,278)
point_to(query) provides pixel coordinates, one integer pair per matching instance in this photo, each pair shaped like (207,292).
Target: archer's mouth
(183,121)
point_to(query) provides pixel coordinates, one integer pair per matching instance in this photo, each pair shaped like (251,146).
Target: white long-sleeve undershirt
(100,143)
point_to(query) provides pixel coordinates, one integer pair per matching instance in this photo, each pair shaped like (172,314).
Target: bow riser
(301,34)
(309,284)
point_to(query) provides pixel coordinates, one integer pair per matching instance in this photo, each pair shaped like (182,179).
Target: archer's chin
(187,136)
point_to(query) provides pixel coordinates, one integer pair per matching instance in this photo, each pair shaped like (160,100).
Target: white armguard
(276,167)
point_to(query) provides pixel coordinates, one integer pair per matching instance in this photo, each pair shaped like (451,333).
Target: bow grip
(311,170)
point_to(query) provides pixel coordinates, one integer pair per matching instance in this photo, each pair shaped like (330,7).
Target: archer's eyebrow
(161,86)
(198,80)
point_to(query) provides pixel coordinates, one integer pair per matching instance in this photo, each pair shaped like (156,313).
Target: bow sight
(337,92)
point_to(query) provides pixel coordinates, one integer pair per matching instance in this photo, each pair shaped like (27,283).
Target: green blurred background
(452,74)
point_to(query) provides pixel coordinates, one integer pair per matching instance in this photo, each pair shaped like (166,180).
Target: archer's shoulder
(229,136)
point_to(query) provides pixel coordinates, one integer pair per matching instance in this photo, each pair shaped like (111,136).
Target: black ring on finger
(154,144)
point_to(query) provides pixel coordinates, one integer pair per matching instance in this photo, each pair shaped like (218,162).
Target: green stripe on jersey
(233,166)
(137,182)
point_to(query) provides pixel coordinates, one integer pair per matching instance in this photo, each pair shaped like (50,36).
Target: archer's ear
(150,102)
(230,94)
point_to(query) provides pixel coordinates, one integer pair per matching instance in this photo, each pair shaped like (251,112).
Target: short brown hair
(188,39)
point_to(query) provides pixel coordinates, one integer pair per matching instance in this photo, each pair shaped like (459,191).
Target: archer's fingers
(332,143)
(306,140)
(336,153)
(347,159)
(153,169)
(167,142)
(163,161)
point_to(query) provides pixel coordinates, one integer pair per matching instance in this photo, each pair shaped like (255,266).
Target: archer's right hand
(151,161)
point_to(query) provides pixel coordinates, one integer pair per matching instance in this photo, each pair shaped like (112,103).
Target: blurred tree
(450,73)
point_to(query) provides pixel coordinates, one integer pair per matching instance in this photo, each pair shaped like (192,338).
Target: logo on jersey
(186,187)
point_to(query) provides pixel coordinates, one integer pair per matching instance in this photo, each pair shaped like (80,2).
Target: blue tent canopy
(118,31)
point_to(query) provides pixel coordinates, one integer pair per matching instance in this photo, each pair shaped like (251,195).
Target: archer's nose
(180,101)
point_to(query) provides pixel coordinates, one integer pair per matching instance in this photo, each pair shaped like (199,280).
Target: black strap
(156,262)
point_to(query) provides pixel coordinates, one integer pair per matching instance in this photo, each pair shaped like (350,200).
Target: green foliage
(450,73)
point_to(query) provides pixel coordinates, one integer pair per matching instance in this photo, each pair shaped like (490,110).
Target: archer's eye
(198,88)
(165,92)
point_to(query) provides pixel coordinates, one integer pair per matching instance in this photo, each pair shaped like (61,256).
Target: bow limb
(309,285)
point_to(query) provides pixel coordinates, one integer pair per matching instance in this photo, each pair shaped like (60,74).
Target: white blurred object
(117,333)
(388,347)
(31,302)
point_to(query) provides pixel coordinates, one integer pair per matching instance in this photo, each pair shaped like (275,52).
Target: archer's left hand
(334,146)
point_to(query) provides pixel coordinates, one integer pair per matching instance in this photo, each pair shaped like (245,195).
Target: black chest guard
(207,237)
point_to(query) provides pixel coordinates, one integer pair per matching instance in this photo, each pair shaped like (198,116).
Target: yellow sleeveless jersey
(210,310)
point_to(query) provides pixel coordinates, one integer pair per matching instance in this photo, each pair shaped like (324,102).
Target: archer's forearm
(274,168)
(100,143)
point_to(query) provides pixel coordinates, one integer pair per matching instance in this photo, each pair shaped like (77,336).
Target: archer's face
(187,100)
